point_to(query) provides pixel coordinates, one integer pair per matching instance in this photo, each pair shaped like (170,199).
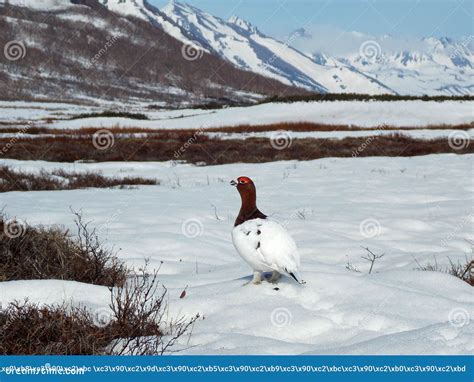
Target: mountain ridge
(445,67)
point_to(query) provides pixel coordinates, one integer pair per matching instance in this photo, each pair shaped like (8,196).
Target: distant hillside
(80,50)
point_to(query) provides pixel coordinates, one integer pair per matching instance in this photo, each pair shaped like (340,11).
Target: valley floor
(351,113)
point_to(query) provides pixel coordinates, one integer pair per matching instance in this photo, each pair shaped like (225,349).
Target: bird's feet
(274,277)
(256,280)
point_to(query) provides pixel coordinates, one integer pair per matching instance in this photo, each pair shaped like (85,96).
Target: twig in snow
(215,212)
(370,256)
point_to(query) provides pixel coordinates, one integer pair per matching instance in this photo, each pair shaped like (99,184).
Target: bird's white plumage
(266,246)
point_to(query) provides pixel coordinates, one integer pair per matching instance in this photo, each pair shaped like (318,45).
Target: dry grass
(320,127)
(28,253)
(11,180)
(461,270)
(133,325)
(206,150)
(30,329)
(286,126)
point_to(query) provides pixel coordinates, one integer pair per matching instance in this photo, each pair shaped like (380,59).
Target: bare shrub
(11,180)
(211,150)
(135,325)
(371,257)
(280,126)
(463,270)
(138,309)
(27,328)
(47,253)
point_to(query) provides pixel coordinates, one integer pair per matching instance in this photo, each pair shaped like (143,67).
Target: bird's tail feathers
(296,276)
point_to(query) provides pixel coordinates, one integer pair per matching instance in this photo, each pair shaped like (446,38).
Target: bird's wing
(277,247)
(246,238)
(266,245)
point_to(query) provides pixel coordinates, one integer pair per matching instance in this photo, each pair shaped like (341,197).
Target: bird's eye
(242,181)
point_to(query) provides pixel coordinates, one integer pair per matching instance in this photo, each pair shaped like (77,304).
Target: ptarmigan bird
(263,243)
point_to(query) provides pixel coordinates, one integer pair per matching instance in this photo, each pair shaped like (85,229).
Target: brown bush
(461,270)
(135,325)
(206,150)
(310,126)
(11,180)
(30,329)
(138,310)
(286,126)
(28,253)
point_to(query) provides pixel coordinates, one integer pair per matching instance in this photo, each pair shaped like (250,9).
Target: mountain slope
(246,47)
(79,49)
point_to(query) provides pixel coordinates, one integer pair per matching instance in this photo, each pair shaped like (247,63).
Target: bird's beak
(233,182)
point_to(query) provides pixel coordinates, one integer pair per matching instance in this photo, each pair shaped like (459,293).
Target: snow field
(353,113)
(411,209)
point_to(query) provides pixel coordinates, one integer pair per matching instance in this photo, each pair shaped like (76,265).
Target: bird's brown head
(248,194)
(244,185)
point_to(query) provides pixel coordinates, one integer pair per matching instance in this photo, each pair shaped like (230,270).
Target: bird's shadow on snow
(265,279)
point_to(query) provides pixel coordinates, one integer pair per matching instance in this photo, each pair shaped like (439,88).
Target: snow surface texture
(408,208)
(353,113)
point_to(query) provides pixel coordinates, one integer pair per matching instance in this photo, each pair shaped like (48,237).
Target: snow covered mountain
(242,44)
(436,66)
(410,66)
(441,66)
(144,10)
(432,66)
